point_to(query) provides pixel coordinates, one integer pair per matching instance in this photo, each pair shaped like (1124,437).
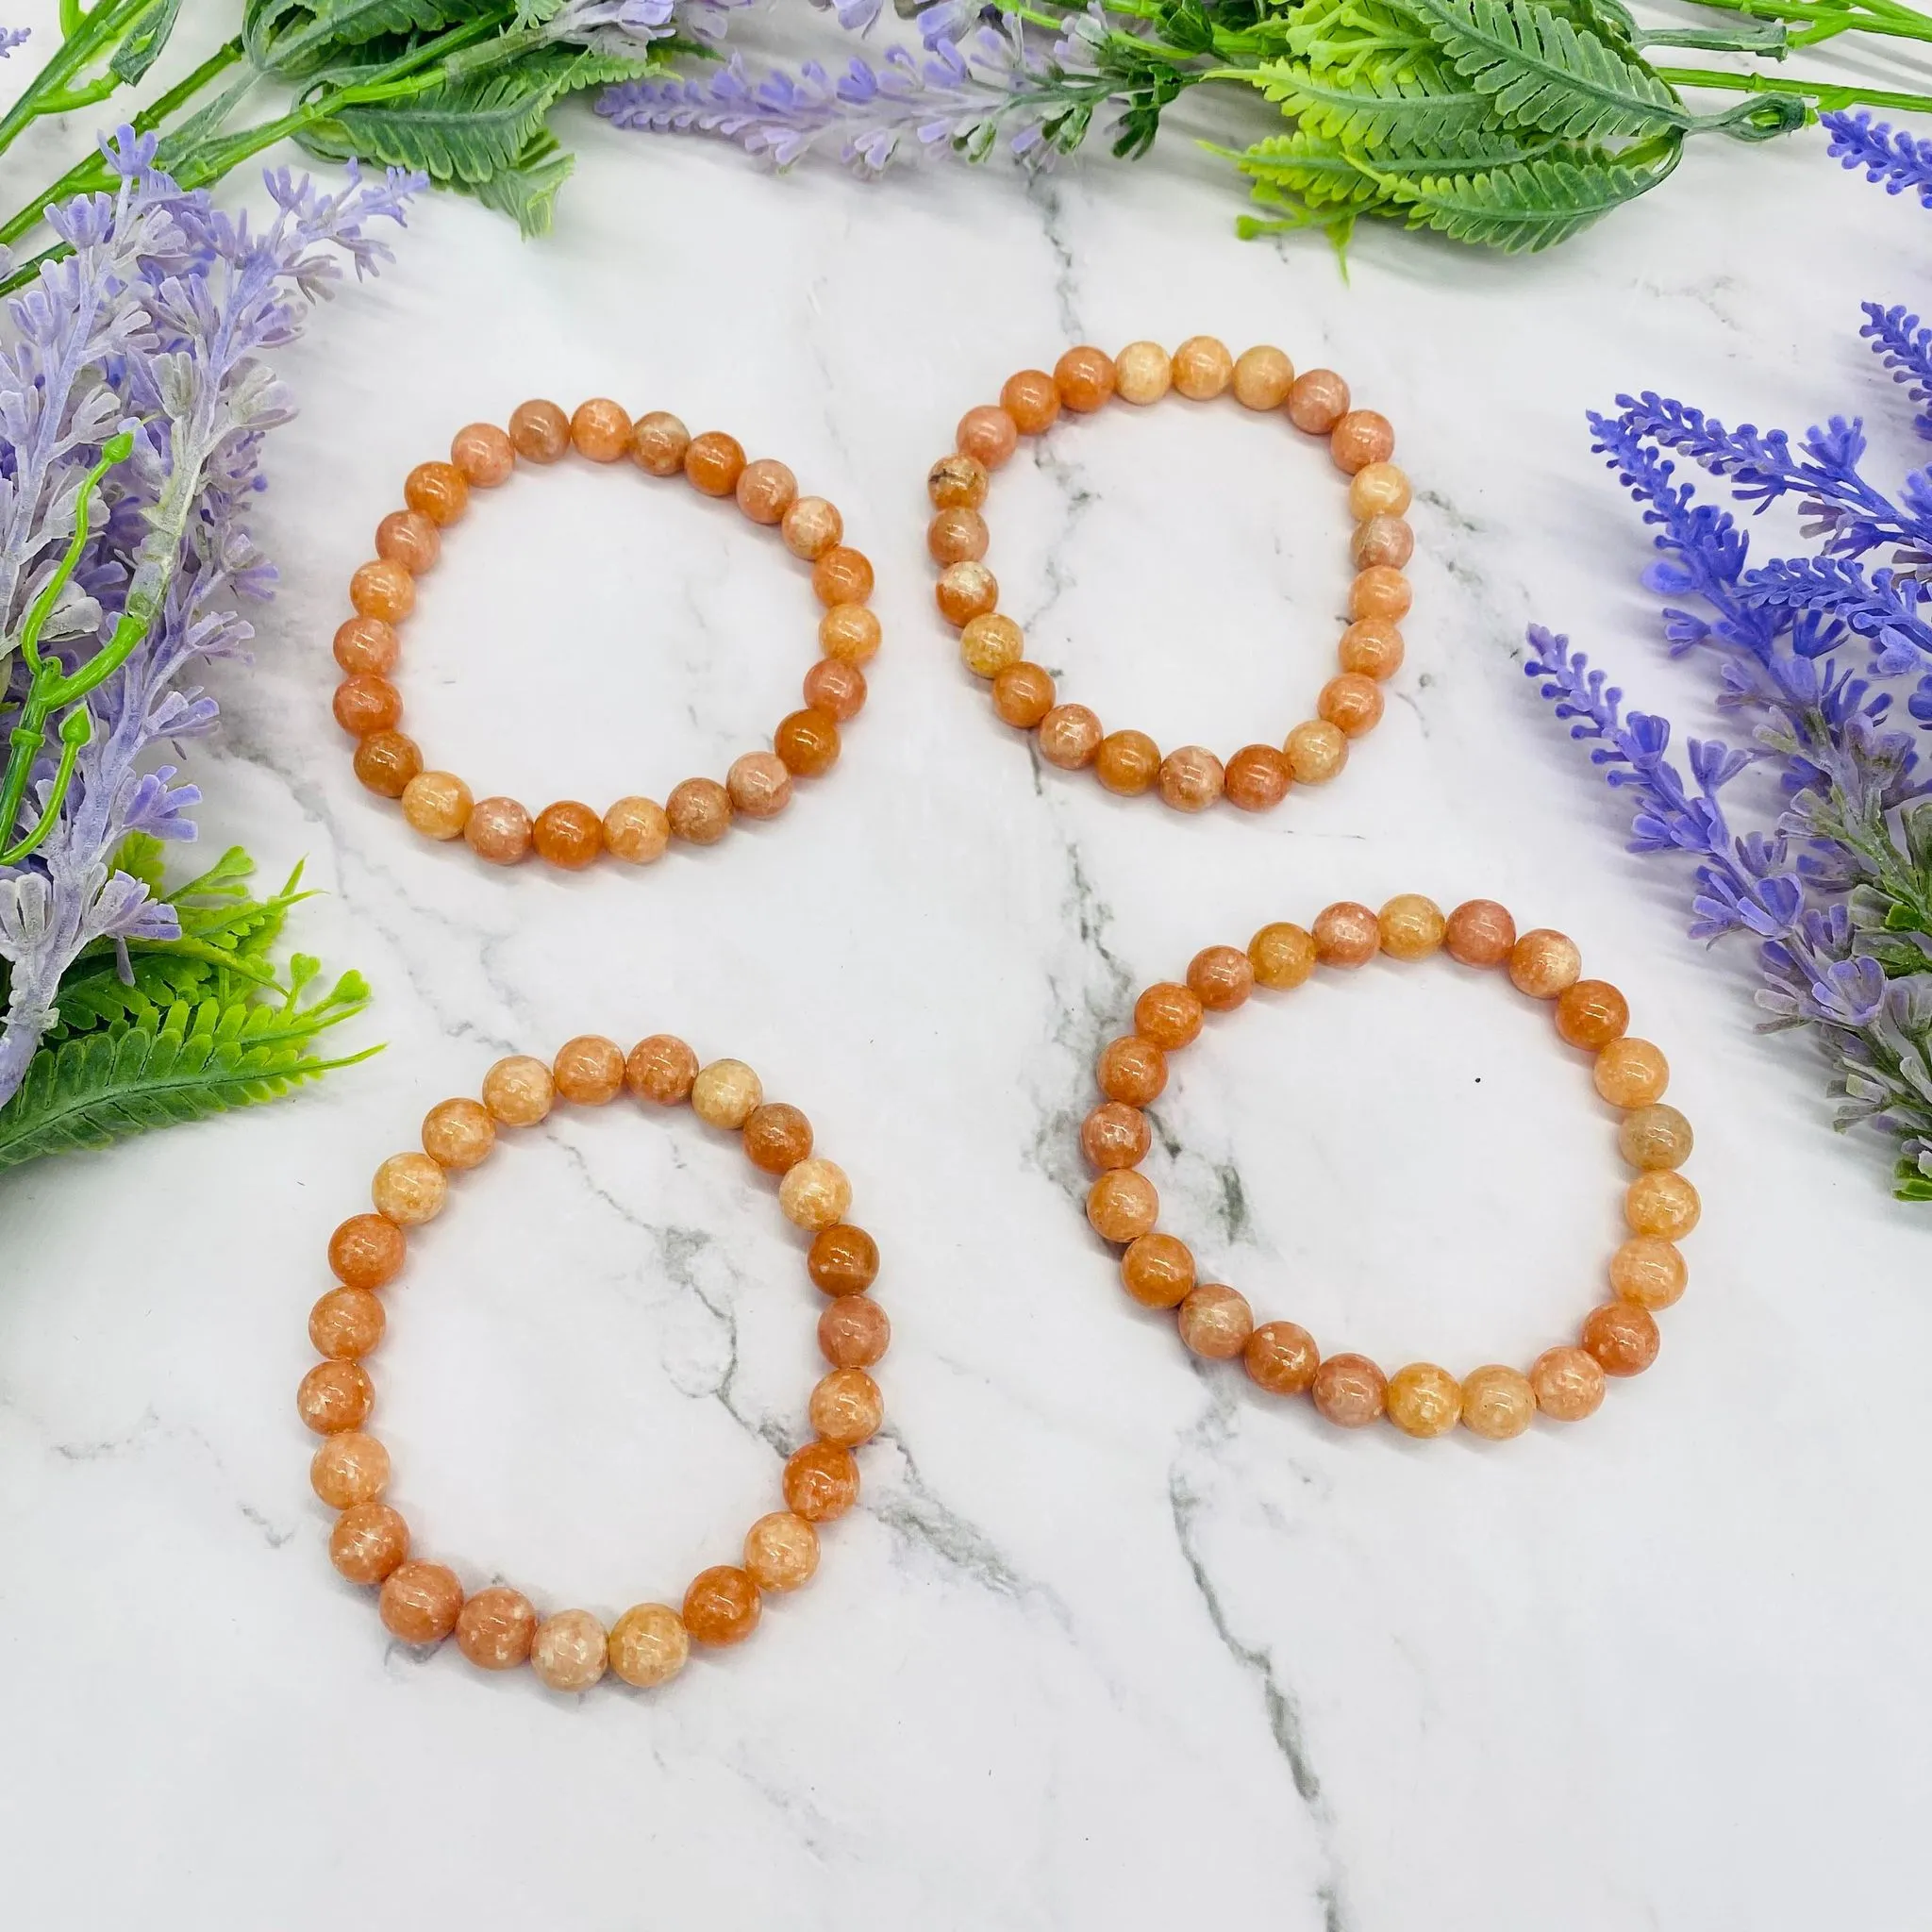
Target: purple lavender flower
(1896,159)
(12,37)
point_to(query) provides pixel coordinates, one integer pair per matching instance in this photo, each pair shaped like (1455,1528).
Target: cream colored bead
(814,1193)
(1377,489)
(1262,378)
(458,1133)
(781,1551)
(1143,372)
(1316,751)
(725,1093)
(989,642)
(519,1092)
(569,1651)
(409,1189)
(648,1645)
(1202,368)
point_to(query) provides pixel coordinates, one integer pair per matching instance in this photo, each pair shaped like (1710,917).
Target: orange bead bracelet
(497,1629)
(1647,1273)
(369,705)
(1263,379)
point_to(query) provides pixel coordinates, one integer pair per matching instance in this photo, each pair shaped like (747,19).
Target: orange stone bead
(420,1603)
(659,443)
(1663,1204)
(1379,490)
(1262,377)
(1317,401)
(714,462)
(989,642)
(988,435)
(1380,591)
(1202,368)
(600,429)
(1351,703)
(1158,1270)
(1221,977)
(765,490)
(1622,1336)
(1032,399)
(1192,778)
(1380,540)
(1123,1206)
(1257,778)
(648,1645)
(1169,1015)
(808,741)
(1569,1384)
(815,1194)
(539,431)
(1649,1271)
(345,1323)
(847,1407)
(386,761)
(956,535)
(1359,439)
(407,538)
(957,481)
(660,1070)
(409,1189)
(965,591)
(1131,1069)
(722,1607)
(1497,1403)
(853,1332)
(1543,963)
(496,1627)
(334,1396)
(1347,934)
(1631,1073)
(349,1468)
(776,1137)
(436,804)
(637,830)
(1283,956)
(1115,1136)
(484,454)
(1412,928)
(1126,762)
(1423,1400)
(1023,694)
(1655,1138)
(1590,1013)
(1084,377)
(1349,1391)
(438,492)
(568,835)
(458,1134)
(781,1552)
(1480,933)
(759,782)
(519,1092)
(841,576)
(366,1251)
(1215,1323)
(1281,1357)
(570,1652)
(588,1070)
(368,1541)
(382,590)
(1068,736)
(849,633)
(1316,751)
(843,1260)
(821,1481)
(498,830)
(810,528)
(366,646)
(698,811)
(1143,372)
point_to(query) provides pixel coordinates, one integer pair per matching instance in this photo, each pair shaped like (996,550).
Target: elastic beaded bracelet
(1257,776)
(568,834)
(1660,1207)
(497,1629)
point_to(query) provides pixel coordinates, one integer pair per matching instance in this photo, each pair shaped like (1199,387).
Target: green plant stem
(1829,94)
(1824,21)
(58,87)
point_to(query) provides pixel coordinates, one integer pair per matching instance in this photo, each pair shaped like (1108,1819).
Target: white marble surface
(1113,1641)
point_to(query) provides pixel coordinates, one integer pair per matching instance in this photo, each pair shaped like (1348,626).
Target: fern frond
(458,133)
(1529,204)
(528,191)
(290,39)
(94,994)
(1419,108)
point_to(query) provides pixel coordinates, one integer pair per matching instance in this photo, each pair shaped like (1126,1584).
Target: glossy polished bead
(438,492)
(847,1407)
(1654,1136)
(1423,1400)
(1069,736)
(714,462)
(1387,540)
(1347,934)
(345,1323)
(519,1092)
(725,1094)
(957,481)
(841,576)
(1590,1013)
(776,1137)
(811,526)
(853,1332)
(1622,1336)
(367,1250)
(569,1652)
(1480,933)
(1281,1357)
(843,1260)
(1649,1271)
(1257,778)
(1126,762)
(698,811)
(484,454)
(366,646)
(420,1603)
(1349,1391)
(349,1468)
(821,1481)
(1115,1136)
(956,535)
(662,1068)
(781,1552)
(588,1070)
(659,443)
(496,1627)
(1023,696)
(1214,1322)
(1411,926)
(1202,368)
(1377,489)
(1359,439)
(382,590)
(409,1189)
(1132,1069)
(1085,378)
(1032,399)
(765,490)
(368,1541)
(436,804)
(1497,1403)
(988,435)
(1221,977)
(409,539)
(1316,751)
(539,431)
(1317,401)
(498,830)
(1631,1073)
(1262,378)
(808,744)
(1158,1270)
(648,1645)
(965,591)
(989,642)
(1569,1384)
(600,429)
(1283,955)
(815,1194)
(722,1607)
(1123,1206)
(1143,374)
(759,784)
(1192,778)
(849,633)
(1380,593)
(637,830)
(1351,703)
(1169,1015)
(386,761)
(568,835)
(1543,963)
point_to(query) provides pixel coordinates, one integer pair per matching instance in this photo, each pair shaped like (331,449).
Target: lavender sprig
(1894,159)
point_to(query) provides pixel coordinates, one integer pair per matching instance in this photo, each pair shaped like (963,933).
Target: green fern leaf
(294,38)
(1530,205)
(459,133)
(528,191)
(93,995)
(1419,108)
(1545,72)
(1323,173)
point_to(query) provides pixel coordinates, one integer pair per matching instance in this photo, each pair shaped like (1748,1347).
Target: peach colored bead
(438,492)
(420,1603)
(1622,1336)
(648,1645)
(956,535)
(841,576)
(1591,1013)
(1497,1403)
(1423,1400)
(1202,368)
(1412,926)
(698,811)
(1257,778)
(811,526)
(808,744)
(600,429)
(409,1189)
(815,1194)
(498,830)
(366,1251)
(965,591)
(569,1652)
(1569,1384)
(1381,540)
(658,444)
(496,1628)
(765,490)
(519,1092)
(1380,591)
(366,646)
(1543,963)
(385,762)
(722,1607)
(989,642)
(854,1333)
(847,1407)
(637,830)
(1649,1271)
(349,1468)
(988,435)
(1352,704)
(568,835)
(382,590)
(1359,439)
(1143,374)
(345,1323)
(1349,1391)
(335,1396)
(362,705)
(1316,750)
(850,633)
(1132,1069)
(1654,1136)
(1215,1323)
(821,1481)
(484,454)
(1283,955)
(1346,934)
(776,1137)
(1169,1015)
(1262,377)
(1158,1270)
(1122,1205)
(1023,696)
(588,1070)
(1069,737)
(1084,377)
(368,1541)
(1221,977)
(958,481)
(662,1068)
(1032,399)
(1192,778)
(1377,489)
(1480,933)
(714,461)
(1317,401)
(1631,1073)
(726,1093)
(1115,1135)
(1281,1357)
(409,539)
(436,804)
(539,431)
(759,785)
(843,1260)
(781,1552)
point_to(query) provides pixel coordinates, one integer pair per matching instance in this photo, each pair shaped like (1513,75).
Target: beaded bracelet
(497,1629)
(1660,1205)
(1257,776)
(568,834)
